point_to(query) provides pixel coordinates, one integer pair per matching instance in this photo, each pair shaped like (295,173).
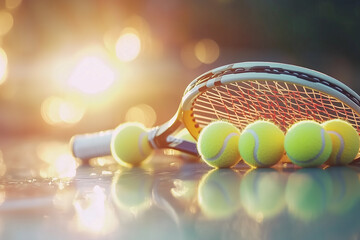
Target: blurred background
(76,66)
(69,67)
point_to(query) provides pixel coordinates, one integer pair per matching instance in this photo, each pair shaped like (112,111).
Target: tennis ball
(217,144)
(308,193)
(345,141)
(345,194)
(218,193)
(262,193)
(261,144)
(131,189)
(307,144)
(129,145)
(185,135)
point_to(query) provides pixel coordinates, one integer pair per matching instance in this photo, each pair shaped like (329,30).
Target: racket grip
(91,145)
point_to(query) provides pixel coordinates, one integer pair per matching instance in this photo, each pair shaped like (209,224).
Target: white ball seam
(317,155)
(227,139)
(338,155)
(256,147)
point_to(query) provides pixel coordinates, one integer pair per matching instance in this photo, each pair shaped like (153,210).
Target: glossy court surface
(46,194)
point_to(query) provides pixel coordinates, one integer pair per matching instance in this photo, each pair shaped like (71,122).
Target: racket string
(283,103)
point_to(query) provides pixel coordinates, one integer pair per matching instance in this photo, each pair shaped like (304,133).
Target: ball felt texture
(217,144)
(307,144)
(345,141)
(129,144)
(261,144)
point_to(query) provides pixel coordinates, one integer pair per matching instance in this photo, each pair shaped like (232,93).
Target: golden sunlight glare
(58,161)
(6,22)
(93,214)
(142,113)
(128,47)
(3,65)
(56,110)
(92,75)
(2,165)
(65,166)
(12,4)
(2,194)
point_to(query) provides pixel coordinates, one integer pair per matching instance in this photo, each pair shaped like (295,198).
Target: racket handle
(91,145)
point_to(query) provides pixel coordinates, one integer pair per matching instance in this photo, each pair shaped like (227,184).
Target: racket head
(242,93)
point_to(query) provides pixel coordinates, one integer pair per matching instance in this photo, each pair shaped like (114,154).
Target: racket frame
(160,137)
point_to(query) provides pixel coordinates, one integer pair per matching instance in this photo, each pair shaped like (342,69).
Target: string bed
(280,102)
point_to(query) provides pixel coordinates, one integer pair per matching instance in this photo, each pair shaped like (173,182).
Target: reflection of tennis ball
(345,185)
(131,189)
(129,144)
(217,144)
(218,193)
(262,193)
(307,193)
(307,144)
(345,141)
(185,135)
(261,144)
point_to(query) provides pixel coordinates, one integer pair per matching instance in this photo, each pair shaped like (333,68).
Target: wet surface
(46,194)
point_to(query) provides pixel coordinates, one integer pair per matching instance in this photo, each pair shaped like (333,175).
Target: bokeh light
(141,113)
(92,75)
(102,161)
(59,162)
(2,194)
(188,56)
(2,165)
(3,65)
(63,199)
(64,166)
(207,51)
(128,45)
(12,4)
(56,110)
(93,213)
(6,22)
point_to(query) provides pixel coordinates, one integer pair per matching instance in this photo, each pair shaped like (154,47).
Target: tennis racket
(242,93)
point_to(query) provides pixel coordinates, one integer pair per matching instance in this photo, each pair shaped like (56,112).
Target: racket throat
(167,141)
(158,135)
(182,145)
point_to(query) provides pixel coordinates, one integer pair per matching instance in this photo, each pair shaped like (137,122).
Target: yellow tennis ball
(218,193)
(308,193)
(129,144)
(261,144)
(307,144)
(345,141)
(262,193)
(217,144)
(345,184)
(131,189)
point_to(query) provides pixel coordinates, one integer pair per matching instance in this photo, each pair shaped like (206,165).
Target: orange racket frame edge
(242,93)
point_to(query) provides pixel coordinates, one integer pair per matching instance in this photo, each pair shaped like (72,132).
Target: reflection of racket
(242,93)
